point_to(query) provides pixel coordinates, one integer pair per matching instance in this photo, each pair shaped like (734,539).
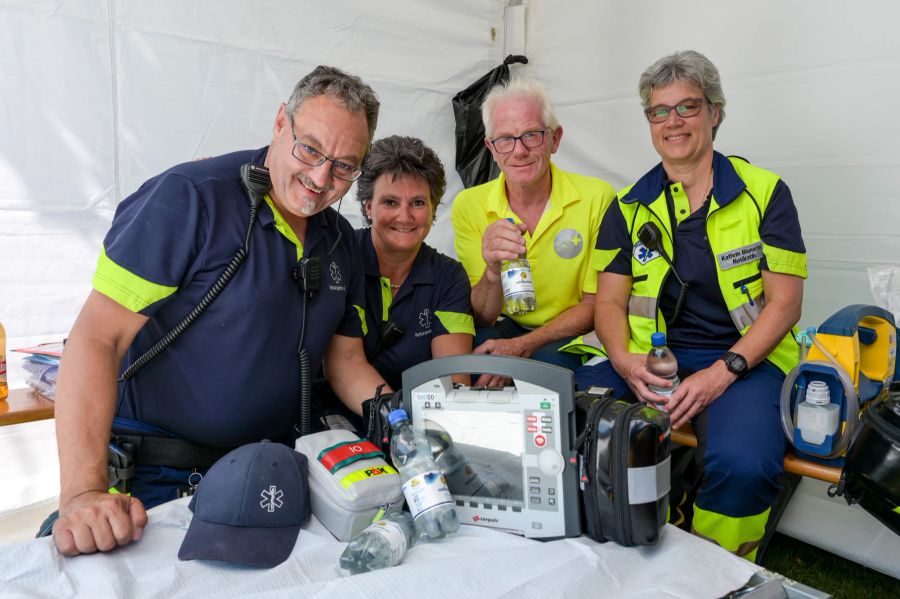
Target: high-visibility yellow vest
(734,240)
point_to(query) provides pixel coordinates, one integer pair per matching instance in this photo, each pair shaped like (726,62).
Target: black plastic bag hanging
(473,160)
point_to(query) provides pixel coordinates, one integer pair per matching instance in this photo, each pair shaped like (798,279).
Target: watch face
(736,363)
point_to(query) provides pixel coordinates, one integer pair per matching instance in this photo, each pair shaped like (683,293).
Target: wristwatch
(736,364)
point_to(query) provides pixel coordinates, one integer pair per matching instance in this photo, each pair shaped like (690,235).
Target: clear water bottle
(424,486)
(661,362)
(518,286)
(381,545)
(817,417)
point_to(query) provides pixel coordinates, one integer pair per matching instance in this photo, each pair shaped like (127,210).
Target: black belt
(150,450)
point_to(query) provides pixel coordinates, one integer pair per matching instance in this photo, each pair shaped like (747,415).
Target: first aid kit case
(350,481)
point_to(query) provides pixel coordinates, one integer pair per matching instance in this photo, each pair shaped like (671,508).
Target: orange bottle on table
(4,388)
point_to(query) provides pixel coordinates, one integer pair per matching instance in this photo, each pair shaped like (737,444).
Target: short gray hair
(685,65)
(517,88)
(347,89)
(398,155)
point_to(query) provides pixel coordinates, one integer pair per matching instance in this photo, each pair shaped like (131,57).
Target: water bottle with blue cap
(661,362)
(424,485)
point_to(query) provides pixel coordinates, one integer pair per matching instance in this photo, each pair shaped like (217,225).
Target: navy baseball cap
(249,507)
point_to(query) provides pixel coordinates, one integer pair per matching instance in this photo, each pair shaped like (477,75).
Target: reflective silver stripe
(639,305)
(745,314)
(591,340)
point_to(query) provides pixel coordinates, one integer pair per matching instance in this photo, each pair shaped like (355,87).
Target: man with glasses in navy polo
(534,210)
(233,376)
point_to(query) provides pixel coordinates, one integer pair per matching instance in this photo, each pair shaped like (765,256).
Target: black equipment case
(871,474)
(623,452)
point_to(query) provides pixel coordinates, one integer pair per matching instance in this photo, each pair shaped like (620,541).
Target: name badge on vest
(643,254)
(741,255)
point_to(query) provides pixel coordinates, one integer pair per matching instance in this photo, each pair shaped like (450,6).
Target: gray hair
(347,89)
(685,65)
(515,89)
(398,155)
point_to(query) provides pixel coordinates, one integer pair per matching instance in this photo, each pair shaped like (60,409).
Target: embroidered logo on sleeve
(741,255)
(643,254)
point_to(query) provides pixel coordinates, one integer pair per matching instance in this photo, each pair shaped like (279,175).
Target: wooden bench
(792,463)
(25,405)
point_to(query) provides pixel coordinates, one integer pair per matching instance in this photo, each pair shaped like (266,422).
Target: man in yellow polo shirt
(534,210)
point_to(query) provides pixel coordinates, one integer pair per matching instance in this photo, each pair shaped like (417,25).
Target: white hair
(514,89)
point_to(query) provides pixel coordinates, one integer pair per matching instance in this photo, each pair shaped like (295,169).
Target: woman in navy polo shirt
(417,299)
(706,248)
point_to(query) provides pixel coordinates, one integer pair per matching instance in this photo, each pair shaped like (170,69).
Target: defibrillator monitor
(507,453)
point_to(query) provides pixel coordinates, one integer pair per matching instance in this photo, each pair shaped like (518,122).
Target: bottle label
(3,370)
(517,281)
(393,533)
(425,492)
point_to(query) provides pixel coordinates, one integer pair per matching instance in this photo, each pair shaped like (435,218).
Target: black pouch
(375,417)
(624,457)
(871,474)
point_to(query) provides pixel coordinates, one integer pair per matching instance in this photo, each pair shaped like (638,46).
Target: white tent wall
(809,86)
(99,95)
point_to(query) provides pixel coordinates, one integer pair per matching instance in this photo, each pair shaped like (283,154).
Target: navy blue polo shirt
(704,320)
(434,300)
(233,377)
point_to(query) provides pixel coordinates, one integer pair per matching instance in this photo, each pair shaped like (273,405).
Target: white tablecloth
(476,562)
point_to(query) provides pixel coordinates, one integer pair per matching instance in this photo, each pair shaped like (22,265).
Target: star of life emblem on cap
(271,498)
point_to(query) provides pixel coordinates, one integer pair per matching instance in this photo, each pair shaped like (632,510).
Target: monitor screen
(480,453)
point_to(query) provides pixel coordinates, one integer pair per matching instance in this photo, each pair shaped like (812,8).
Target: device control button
(551,491)
(437,405)
(540,441)
(551,501)
(427,404)
(531,418)
(535,500)
(546,418)
(550,462)
(532,429)
(546,429)
(535,480)
(535,490)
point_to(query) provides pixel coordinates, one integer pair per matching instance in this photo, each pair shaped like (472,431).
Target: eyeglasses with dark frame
(685,109)
(529,139)
(310,156)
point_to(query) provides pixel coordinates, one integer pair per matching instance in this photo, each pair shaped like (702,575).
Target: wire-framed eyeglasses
(685,109)
(309,155)
(529,139)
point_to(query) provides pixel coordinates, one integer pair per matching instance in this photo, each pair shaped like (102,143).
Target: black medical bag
(871,474)
(624,461)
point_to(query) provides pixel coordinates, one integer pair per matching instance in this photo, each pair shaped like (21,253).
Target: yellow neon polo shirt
(560,249)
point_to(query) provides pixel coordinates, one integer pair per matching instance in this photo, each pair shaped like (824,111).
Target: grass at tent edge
(827,572)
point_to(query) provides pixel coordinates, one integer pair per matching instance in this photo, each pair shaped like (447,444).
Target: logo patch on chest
(568,243)
(643,254)
(741,255)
